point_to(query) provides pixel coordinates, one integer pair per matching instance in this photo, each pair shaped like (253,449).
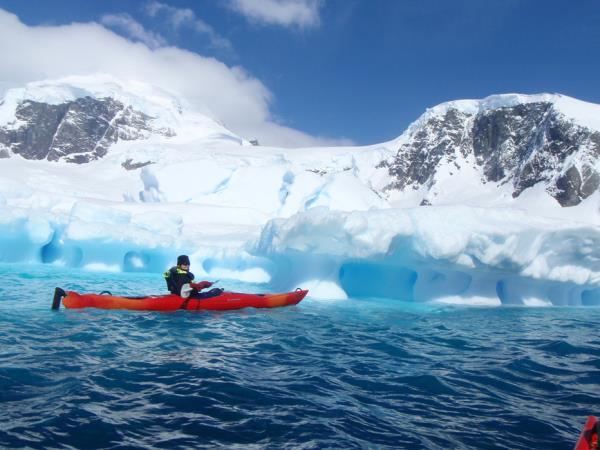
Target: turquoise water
(338,374)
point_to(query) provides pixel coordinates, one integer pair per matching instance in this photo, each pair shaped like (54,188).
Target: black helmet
(183,260)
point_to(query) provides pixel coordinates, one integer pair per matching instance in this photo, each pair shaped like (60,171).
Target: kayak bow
(588,439)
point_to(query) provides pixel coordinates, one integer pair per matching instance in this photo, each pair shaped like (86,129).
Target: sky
(312,72)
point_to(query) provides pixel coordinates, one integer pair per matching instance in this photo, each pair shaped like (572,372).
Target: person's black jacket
(176,277)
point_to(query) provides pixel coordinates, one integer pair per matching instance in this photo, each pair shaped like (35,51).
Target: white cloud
(301,13)
(230,94)
(126,24)
(176,16)
(184,17)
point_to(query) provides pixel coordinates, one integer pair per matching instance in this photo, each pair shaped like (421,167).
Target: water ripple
(355,374)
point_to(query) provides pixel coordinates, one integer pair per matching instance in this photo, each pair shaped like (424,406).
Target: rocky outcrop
(523,144)
(130,165)
(77,131)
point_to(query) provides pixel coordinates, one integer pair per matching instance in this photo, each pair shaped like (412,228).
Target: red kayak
(588,439)
(170,302)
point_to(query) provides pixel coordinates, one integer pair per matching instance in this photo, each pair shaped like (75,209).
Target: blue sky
(363,69)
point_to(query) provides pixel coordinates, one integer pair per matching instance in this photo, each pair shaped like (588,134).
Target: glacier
(316,218)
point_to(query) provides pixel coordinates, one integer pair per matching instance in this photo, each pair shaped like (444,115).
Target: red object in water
(588,439)
(222,302)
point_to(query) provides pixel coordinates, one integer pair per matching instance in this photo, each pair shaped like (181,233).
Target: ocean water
(359,373)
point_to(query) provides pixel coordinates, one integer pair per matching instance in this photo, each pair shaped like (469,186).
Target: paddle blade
(186,290)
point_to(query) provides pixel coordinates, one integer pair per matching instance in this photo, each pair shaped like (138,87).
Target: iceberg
(449,254)
(455,254)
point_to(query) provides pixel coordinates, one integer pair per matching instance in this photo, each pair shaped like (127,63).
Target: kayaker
(180,275)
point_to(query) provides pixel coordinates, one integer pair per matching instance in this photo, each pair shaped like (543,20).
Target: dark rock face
(523,145)
(502,137)
(130,165)
(439,141)
(78,131)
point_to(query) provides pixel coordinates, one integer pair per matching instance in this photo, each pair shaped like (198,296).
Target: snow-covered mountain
(515,141)
(78,119)
(111,175)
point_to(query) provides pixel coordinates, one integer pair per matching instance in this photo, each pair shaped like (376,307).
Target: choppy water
(344,374)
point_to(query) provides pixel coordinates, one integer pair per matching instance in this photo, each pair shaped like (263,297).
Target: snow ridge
(583,113)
